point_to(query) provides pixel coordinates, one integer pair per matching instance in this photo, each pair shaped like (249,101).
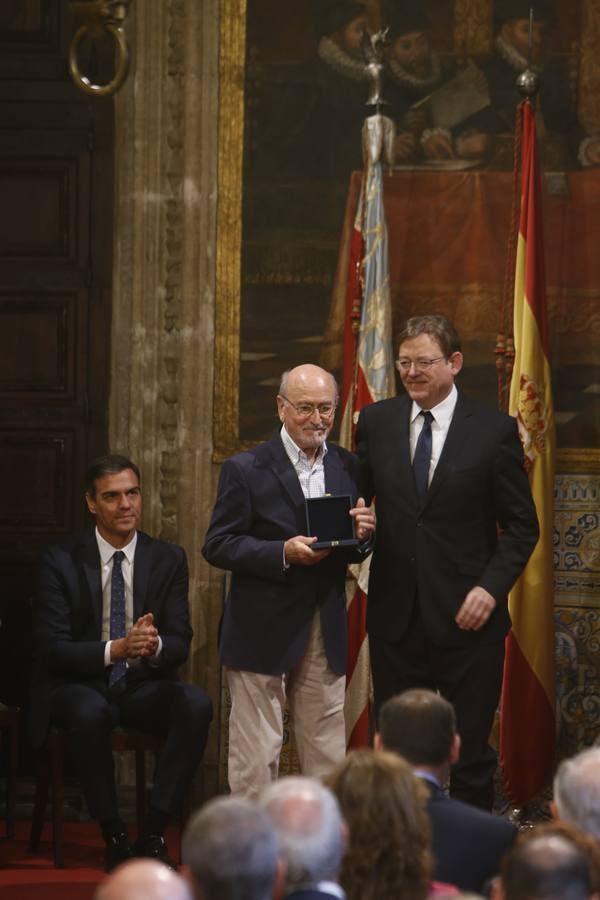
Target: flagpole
(527,726)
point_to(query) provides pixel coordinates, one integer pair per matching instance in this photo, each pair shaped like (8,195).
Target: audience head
(554,861)
(143,879)
(383,805)
(114,498)
(577,791)
(230,850)
(419,725)
(110,464)
(309,825)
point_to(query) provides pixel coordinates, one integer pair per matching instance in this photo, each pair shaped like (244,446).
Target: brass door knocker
(101,18)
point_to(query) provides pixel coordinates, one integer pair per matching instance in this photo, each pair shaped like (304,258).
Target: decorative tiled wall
(577,612)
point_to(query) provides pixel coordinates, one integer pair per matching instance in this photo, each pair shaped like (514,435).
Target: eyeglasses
(421,365)
(308,409)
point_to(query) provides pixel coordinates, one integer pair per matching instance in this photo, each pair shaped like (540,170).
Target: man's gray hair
(309,823)
(577,790)
(232,850)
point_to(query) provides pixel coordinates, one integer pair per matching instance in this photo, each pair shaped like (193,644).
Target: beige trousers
(315,699)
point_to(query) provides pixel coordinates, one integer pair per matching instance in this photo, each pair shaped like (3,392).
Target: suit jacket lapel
(401,473)
(285,472)
(141,575)
(334,472)
(91,570)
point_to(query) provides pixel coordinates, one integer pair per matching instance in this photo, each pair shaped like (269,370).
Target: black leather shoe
(117,850)
(154,846)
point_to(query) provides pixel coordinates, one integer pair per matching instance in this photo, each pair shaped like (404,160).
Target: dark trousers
(180,711)
(470,678)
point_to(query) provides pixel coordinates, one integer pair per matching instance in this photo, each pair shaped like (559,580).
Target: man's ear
(454,749)
(377,742)
(279,883)
(496,891)
(91,503)
(554,811)
(186,874)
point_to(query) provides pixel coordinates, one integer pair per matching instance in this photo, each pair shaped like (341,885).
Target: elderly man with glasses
(456,525)
(283,631)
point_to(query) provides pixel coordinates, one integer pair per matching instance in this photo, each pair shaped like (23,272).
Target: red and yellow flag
(527,727)
(368,375)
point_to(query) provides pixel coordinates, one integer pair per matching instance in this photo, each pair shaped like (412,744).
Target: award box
(328,519)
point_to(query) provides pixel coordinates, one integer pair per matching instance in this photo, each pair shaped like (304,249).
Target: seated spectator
(467,843)
(383,805)
(111,629)
(143,879)
(577,791)
(230,851)
(554,861)
(311,834)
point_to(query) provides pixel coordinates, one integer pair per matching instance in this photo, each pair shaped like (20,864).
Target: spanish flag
(527,727)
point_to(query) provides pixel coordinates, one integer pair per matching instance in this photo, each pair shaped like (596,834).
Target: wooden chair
(9,726)
(51,771)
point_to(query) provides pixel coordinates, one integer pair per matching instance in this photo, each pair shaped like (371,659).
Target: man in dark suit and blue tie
(283,630)
(111,628)
(468,844)
(456,525)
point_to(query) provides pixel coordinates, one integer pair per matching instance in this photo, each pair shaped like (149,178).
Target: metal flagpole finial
(372,46)
(528,82)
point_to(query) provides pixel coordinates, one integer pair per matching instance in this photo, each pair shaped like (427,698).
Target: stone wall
(161,405)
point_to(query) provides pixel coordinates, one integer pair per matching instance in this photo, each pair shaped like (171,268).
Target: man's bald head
(306,404)
(306,377)
(554,861)
(143,879)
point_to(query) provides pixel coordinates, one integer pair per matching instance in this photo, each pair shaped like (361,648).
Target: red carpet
(25,876)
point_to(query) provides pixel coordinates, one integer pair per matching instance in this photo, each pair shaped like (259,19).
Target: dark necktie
(117,615)
(422,457)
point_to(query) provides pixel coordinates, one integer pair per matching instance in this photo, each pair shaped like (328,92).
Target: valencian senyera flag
(527,721)
(368,375)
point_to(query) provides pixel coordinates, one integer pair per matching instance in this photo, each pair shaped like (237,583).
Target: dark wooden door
(56,183)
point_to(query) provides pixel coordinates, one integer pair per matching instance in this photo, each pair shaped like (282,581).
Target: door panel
(56,182)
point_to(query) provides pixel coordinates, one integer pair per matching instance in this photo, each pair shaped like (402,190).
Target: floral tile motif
(577,678)
(577,540)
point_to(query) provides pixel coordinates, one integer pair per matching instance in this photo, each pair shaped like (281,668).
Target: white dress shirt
(107,551)
(442,417)
(310,475)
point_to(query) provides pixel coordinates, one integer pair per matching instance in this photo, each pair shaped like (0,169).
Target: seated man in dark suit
(111,628)
(468,843)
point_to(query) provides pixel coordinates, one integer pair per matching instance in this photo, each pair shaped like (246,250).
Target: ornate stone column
(161,404)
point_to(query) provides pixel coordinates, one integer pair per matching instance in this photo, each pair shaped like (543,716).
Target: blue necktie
(422,457)
(117,616)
